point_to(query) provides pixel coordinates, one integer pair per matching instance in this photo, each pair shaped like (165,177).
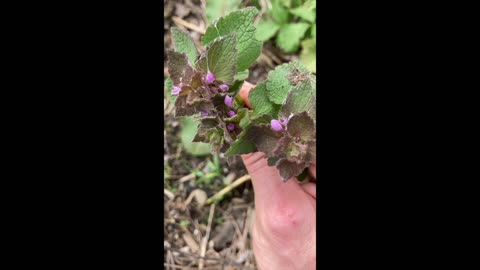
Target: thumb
(267,183)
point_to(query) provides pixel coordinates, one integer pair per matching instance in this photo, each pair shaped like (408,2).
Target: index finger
(246,87)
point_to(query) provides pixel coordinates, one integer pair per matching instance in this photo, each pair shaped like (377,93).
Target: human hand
(284,231)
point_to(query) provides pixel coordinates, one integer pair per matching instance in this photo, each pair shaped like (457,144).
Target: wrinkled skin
(284,228)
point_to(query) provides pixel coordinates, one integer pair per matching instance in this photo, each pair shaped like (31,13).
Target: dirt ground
(198,234)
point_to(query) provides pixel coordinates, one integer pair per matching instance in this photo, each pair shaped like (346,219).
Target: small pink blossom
(230,126)
(209,78)
(224,87)
(283,121)
(176,91)
(231,113)
(229,101)
(276,125)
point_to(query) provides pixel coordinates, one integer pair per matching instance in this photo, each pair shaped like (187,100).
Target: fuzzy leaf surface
(260,102)
(278,86)
(289,169)
(240,22)
(300,99)
(220,8)
(264,138)
(221,58)
(184,44)
(301,126)
(178,68)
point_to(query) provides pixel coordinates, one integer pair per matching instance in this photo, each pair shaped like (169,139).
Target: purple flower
(276,125)
(202,113)
(224,87)
(214,90)
(209,78)
(231,113)
(176,91)
(230,126)
(283,121)
(229,101)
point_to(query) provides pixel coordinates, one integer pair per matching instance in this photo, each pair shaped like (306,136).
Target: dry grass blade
(207,235)
(180,22)
(229,188)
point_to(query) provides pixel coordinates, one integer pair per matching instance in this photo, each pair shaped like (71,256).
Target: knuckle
(283,219)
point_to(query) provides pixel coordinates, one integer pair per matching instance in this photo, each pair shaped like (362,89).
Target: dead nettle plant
(282,120)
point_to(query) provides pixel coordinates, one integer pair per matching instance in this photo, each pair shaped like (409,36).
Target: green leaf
(260,103)
(240,147)
(189,129)
(278,12)
(184,44)
(308,56)
(242,118)
(286,3)
(240,22)
(242,75)
(266,29)
(168,87)
(300,99)
(219,8)
(310,4)
(277,84)
(313,31)
(304,13)
(221,59)
(288,39)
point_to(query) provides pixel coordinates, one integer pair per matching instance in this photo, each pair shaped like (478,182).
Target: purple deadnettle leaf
(198,105)
(312,151)
(275,124)
(179,69)
(229,101)
(301,126)
(289,169)
(223,87)
(263,137)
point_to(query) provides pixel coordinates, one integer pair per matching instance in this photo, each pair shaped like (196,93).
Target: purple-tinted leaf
(272,161)
(180,71)
(289,169)
(301,126)
(264,138)
(312,151)
(184,109)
